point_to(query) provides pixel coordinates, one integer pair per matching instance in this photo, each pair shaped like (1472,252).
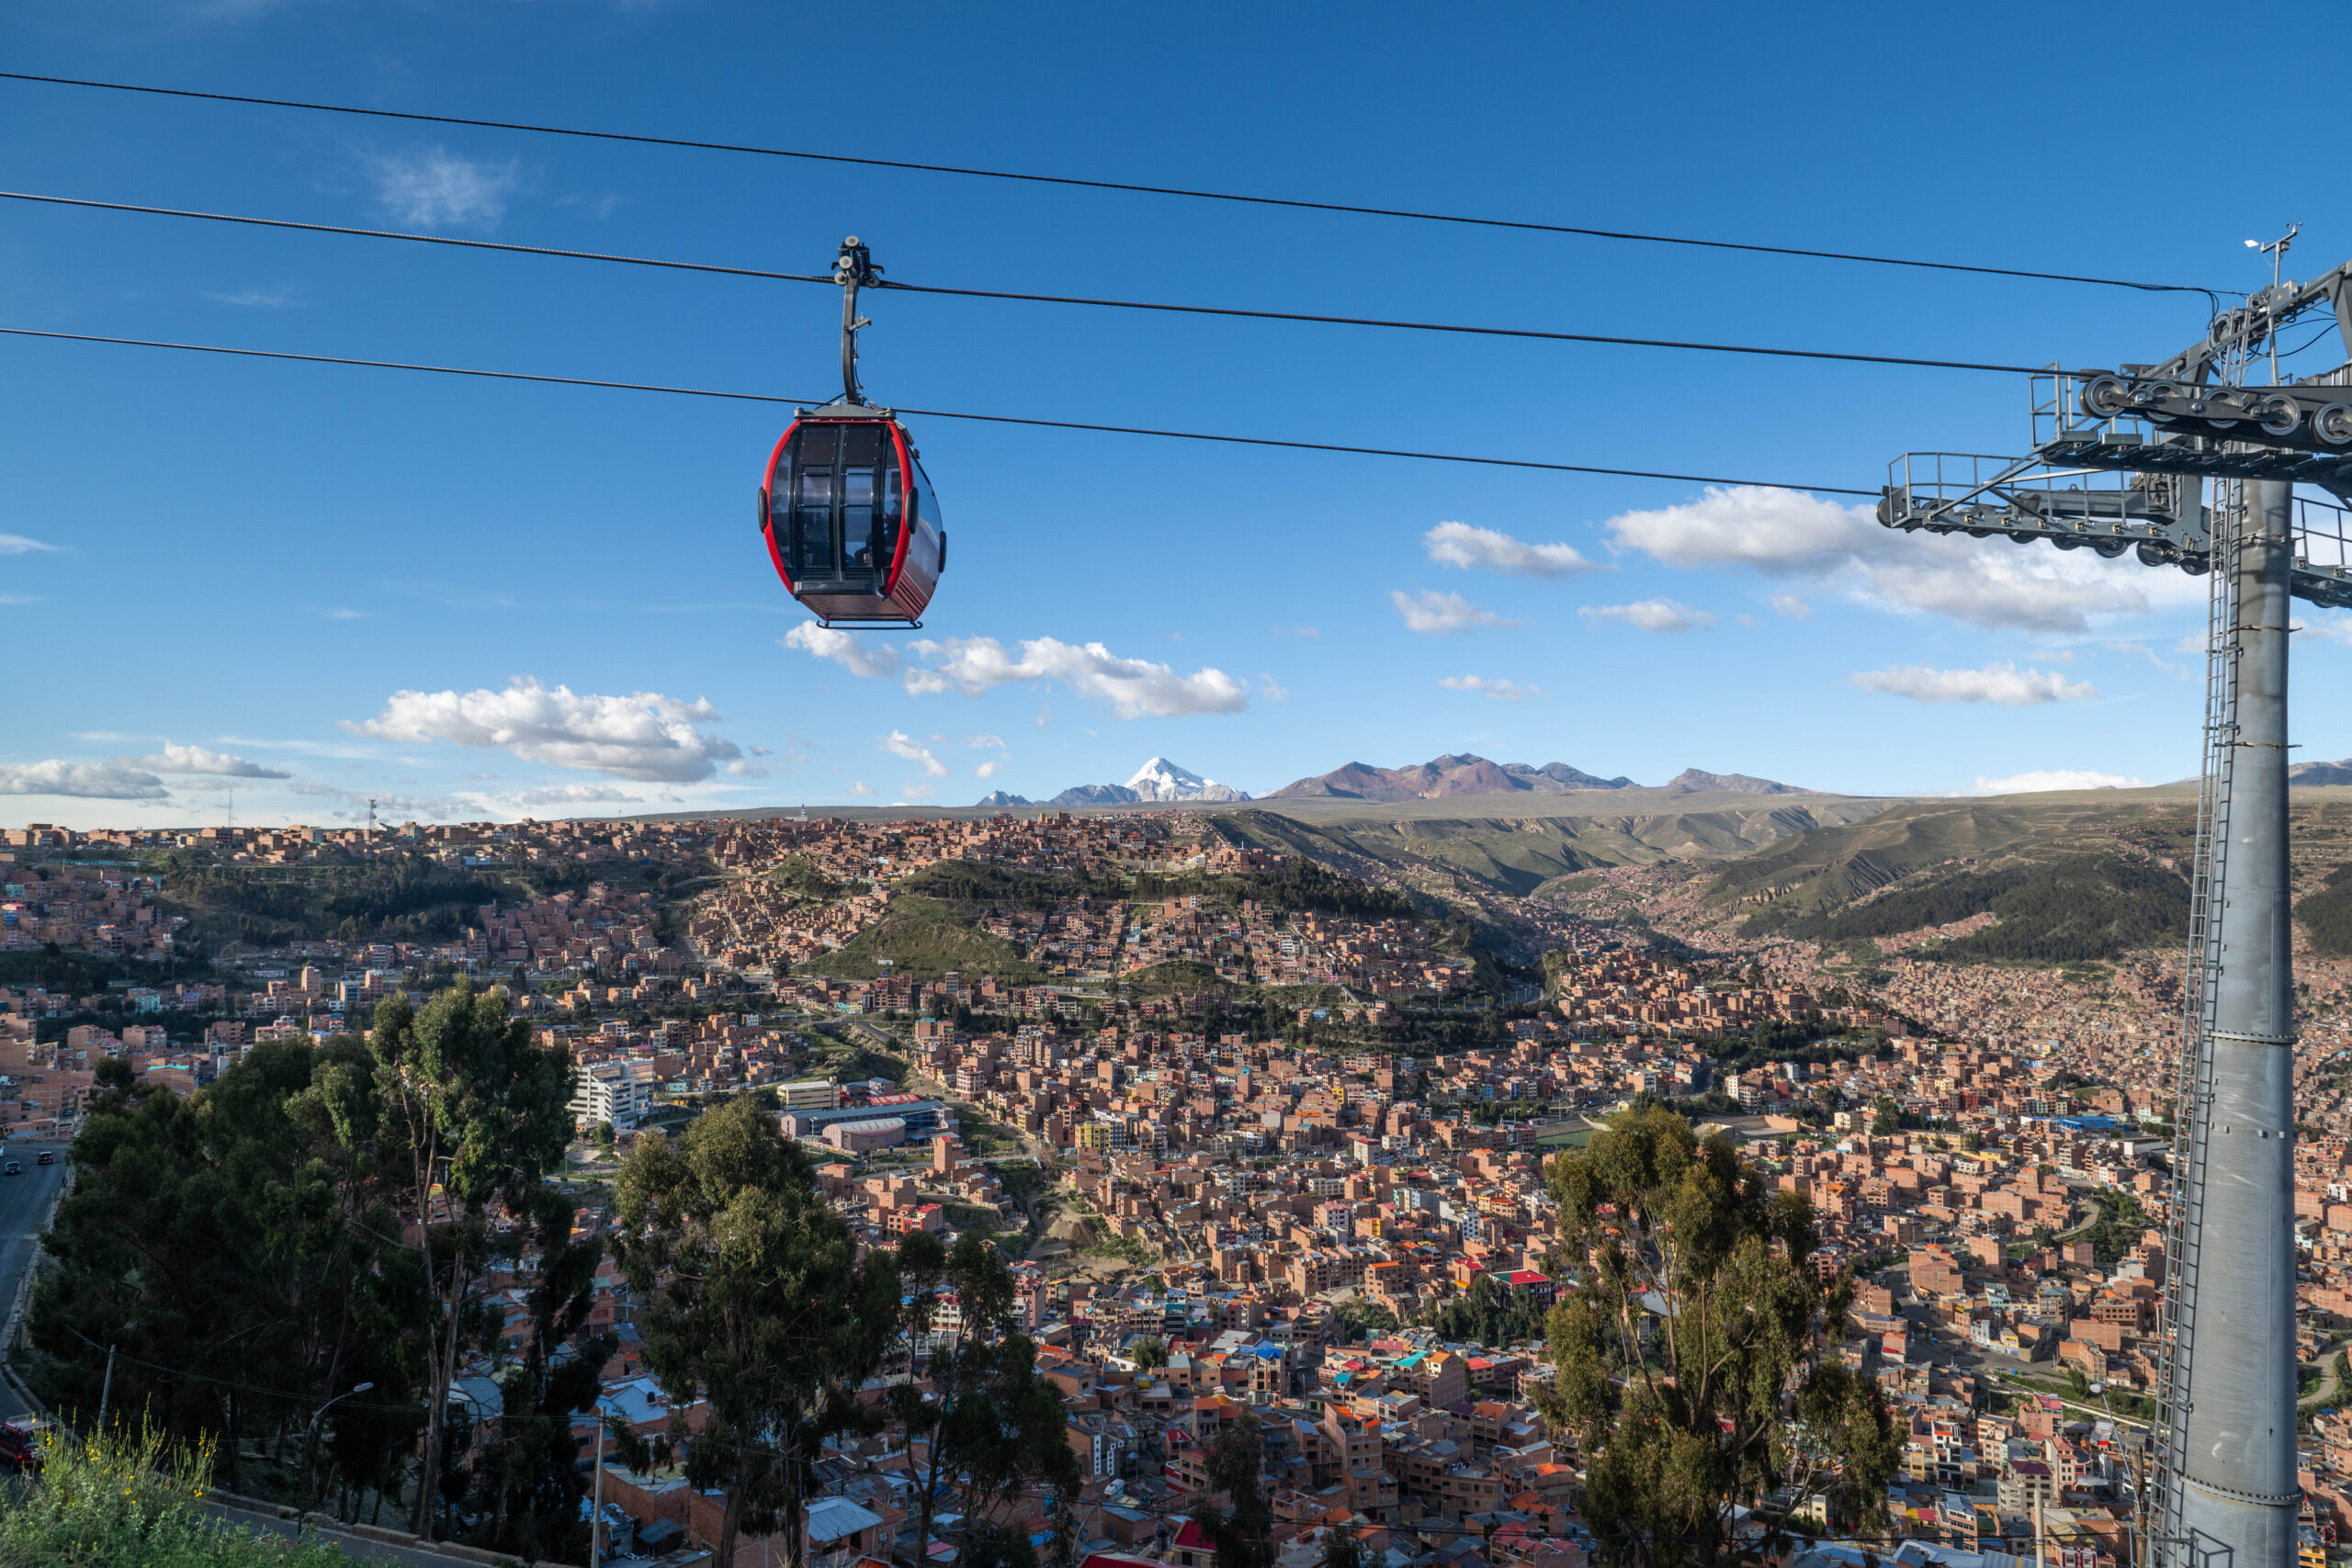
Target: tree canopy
(1693,1365)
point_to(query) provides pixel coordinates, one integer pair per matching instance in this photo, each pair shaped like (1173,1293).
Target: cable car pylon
(848,515)
(2120,462)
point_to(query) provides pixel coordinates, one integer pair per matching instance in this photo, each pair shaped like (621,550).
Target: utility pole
(596,1510)
(2225,1493)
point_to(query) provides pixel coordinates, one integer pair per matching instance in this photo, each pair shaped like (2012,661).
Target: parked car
(20,1441)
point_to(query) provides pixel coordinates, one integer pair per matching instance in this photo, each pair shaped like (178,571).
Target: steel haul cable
(1299,204)
(930,414)
(1835,355)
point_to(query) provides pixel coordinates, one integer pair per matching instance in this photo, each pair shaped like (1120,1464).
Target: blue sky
(481,600)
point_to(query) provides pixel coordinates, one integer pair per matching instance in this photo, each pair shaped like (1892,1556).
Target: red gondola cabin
(850,518)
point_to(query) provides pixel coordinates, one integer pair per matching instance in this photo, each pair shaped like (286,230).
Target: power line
(1234,312)
(933,414)
(1122,186)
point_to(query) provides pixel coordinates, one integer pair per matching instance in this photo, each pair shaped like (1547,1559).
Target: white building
(618,1092)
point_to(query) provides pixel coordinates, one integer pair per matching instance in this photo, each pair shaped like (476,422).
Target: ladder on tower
(2163,1526)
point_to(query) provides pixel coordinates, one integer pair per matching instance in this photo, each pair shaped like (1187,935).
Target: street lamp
(311,1439)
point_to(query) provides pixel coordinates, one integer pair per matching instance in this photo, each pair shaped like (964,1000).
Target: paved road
(359,1547)
(24,1209)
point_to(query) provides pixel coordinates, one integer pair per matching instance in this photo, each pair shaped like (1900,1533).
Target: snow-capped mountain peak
(1160,779)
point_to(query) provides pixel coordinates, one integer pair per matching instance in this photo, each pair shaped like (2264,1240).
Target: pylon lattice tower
(2121,460)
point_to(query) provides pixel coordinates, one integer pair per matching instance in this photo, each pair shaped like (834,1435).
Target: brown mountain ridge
(1463,774)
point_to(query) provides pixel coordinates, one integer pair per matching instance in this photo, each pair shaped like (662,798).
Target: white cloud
(177,759)
(572,795)
(979,742)
(2337,629)
(435,187)
(257,298)
(2003,682)
(1273,690)
(2053,778)
(1789,605)
(1651,615)
(861,788)
(914,793)
(871,661)
(86,780)
(336,613)
(1459,544)
(1509,691)
(1779,532)
(1134,687)
(1980,582)
(643,736)
(397,807)
(18,545)
(1442,615)
(1995,585)
(898,743)
(988,770)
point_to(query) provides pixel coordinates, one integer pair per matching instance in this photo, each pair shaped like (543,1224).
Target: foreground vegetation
(125,1500)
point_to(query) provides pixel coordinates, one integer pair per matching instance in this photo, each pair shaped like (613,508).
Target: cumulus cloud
(83,781)
(2335,630)
(1779,532)
(2003,682)
(1509,691)
(1442,615)
(2053,778)
(1484,549)
(1789,605)
(988,770)
(18,545)
(1134,687)
(1651,615)
(644,735)
(1990,583)
(871,661)
(433,187)
(898,743)
(177,759)
(861,788)
(978,742)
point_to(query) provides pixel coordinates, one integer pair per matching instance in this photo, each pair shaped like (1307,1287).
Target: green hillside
(1822,871)
(2326,915)
(2084,907)
(924,939)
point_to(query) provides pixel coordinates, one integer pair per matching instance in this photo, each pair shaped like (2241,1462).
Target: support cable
(1302,205)
(933,414)
(896,286)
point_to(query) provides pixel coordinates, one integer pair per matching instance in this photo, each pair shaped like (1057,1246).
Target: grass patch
(924,939)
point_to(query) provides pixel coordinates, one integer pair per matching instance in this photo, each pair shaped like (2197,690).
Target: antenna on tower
(233,808)
(371,815)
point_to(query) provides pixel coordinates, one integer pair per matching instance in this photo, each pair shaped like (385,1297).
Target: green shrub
(121,1500)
